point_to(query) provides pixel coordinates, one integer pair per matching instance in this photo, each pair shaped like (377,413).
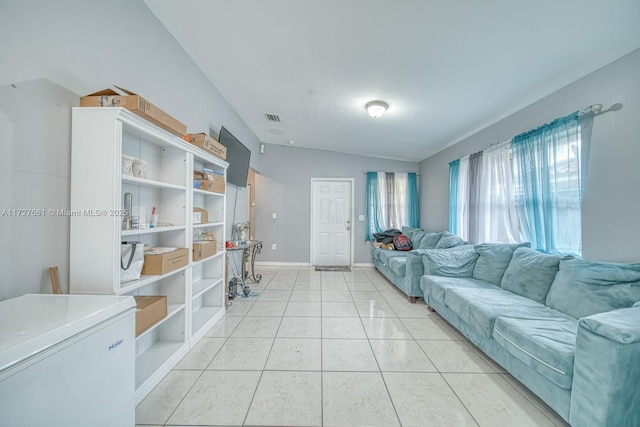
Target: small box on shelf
(200,216)
(215,185)
(203,249)
(162,263)
(150,310)
(119,97)
(208,144)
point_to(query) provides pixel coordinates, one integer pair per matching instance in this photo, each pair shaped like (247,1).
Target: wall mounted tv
(238,157)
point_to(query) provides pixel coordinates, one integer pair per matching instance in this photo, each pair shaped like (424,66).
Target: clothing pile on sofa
(384,240)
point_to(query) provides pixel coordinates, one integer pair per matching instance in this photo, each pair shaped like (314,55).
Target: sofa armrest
(415,268)
(606,370)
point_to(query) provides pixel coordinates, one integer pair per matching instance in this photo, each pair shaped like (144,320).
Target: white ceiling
(447,68)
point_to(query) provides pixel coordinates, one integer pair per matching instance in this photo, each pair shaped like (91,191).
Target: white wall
(52,53)
(611,207)
(284,187)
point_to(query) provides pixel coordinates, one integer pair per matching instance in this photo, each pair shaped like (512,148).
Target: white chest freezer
(67,360)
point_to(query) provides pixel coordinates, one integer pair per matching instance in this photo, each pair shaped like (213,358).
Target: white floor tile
(413,310)
(454,356)
(218,398)
(287,399)
(385,328)
(356,399)
(342,327)
(300,327)
(201,354)
(401,355)
(165,397)
(492,401)
(305,295)
(295,354)
(267,308)
(274,295)
(431,329)
(224,327)
(367,296)
(239,354)
(303,308)
(339,309)
(374,309)
(258,327)
(347,355)
(425,400)
(337,296)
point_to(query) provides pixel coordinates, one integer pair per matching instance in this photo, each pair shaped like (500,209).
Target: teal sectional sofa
(405,268)
(568,329)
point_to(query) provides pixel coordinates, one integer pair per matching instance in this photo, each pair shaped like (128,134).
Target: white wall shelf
(195,293)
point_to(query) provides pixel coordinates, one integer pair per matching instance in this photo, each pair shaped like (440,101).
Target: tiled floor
(337,349)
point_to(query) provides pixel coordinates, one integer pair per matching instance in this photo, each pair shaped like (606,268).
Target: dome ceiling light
(376,108)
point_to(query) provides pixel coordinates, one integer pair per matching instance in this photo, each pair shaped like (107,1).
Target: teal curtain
(413,204)
(374,218)
(547,169)
(454,170)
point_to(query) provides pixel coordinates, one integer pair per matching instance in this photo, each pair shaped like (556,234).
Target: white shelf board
(145,280)
(152,230)
(217,254)
(208,224)
(151,183)
(172,309)
(201,286)
(207,193)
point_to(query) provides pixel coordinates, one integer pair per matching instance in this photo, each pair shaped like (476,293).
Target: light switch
(273,215)
(360,217)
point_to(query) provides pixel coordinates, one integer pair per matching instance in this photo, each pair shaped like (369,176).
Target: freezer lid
(32,323)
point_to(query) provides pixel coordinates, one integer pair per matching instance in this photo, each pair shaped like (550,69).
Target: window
(527,189)
(392,201)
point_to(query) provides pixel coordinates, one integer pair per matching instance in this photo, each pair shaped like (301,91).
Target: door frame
(351,216)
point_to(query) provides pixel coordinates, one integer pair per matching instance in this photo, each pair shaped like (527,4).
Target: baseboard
(286,264)
(363,264)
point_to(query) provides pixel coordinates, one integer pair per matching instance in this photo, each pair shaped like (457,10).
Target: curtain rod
(594,108)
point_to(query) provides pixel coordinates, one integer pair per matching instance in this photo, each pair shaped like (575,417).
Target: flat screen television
(238,157)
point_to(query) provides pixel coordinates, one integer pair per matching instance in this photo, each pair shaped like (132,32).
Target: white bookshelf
(195,293)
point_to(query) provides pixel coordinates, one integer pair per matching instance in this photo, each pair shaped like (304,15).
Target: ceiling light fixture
(376,108)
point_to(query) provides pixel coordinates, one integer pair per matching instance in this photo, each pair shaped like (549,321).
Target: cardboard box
(200,216)
(150,310)
(120,97)
(164,263)
(203,249)
(215,185)
(208,144)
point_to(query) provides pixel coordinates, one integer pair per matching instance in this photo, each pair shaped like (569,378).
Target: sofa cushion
(479,308)
(429,240)
(435,286)
(387,254)
(493,260)
(398,265)
(451,263)
(530,273)
(582,288)
(408,231)
(416,238)
(544,343)
(449,240)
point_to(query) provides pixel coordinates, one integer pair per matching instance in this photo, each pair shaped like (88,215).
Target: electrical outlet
(273,246)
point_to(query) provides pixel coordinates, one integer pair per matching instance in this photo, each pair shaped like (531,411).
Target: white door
(331,221)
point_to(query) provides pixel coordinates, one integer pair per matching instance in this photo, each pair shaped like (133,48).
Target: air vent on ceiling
(272,117)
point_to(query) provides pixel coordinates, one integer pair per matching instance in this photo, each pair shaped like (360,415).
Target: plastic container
(139,168)
(127,165)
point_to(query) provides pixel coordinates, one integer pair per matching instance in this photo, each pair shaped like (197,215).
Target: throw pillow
(449,240)
(530,273)
(494,258)
(430,240)
(408,231)
(582,288)
(451,263)
(417,237)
